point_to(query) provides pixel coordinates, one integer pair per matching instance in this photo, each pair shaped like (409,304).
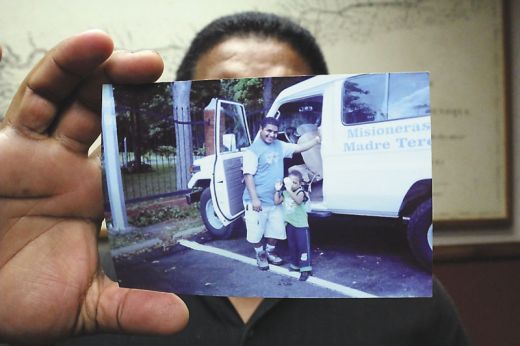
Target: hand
(257,204)
(317,140)
(288,183)
(51,202)
(278,185)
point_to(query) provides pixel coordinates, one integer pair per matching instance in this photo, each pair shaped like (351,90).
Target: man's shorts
(266,223)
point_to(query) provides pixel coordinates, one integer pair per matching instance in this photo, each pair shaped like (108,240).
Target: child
(293,198)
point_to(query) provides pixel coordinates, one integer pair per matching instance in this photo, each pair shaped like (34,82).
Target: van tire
(419,233)
(210,219)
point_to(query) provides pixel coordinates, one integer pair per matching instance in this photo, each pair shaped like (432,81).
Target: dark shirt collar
(222,307)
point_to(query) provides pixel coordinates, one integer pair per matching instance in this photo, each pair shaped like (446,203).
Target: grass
(168,217)
(151,216)
(169,221)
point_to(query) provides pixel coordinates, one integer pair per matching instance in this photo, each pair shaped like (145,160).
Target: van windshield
(301,115)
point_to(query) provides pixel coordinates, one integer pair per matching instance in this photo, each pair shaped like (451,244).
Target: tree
(268,94)
(183,131)
(200,96)
(144,119)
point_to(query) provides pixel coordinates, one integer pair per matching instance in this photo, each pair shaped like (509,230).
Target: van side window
(385,96)
(298,117)
(233,133)
(364,99)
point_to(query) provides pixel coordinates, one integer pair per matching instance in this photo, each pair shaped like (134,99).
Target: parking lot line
(347,291)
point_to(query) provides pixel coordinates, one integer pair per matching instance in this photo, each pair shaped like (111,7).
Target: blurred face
(295,182)
(269,133)
(252,56)
(240,57)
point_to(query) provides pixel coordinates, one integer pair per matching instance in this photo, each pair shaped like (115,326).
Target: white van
(374,158)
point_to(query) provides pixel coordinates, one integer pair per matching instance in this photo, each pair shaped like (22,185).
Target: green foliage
(144,117)
(153,216)
(144,113)
(248,91)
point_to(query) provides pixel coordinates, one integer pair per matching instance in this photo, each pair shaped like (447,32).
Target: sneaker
(293,268)
(304,276)
(273,258)
(261,261)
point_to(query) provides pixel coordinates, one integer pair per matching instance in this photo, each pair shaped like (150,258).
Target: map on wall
(459,42)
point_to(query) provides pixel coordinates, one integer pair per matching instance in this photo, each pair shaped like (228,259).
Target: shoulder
(285,145)
(287,148)
(305,194)
(256,145)
(421,321)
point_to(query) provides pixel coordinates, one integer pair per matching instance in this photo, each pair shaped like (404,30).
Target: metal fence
(153,174)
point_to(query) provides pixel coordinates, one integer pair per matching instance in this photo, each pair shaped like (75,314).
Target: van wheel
(420,234)
(210,219)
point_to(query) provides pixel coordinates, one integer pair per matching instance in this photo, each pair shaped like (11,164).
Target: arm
(52,202)
(250,186)
(301,147)
(278,197)
(249,167)
(298,195)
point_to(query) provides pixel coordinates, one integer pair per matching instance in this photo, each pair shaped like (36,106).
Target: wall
(486,290)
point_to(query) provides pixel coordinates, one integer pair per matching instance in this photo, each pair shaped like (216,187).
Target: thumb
(135,311)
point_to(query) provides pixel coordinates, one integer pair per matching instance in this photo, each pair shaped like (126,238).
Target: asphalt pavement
(351,257)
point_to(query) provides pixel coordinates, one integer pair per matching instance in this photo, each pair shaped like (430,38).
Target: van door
(377,142)
(300,120)
(231,139)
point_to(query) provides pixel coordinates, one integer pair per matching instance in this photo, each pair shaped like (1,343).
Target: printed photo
(308,186)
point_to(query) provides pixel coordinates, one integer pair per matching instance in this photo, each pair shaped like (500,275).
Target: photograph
(299,187)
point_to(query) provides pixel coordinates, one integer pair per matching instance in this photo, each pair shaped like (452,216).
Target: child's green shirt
(295,214)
